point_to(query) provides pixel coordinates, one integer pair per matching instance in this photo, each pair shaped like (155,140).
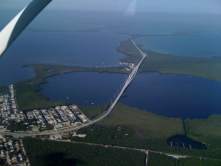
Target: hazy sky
(174,6)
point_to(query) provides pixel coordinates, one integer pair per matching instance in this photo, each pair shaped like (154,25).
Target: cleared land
(208,68)
(205,130)
(26,91)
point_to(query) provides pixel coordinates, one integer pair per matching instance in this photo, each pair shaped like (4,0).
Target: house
(14,159)
(10,142)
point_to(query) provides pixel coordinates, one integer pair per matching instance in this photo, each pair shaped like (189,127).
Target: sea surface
(199,45)
(61,48)
(76,38)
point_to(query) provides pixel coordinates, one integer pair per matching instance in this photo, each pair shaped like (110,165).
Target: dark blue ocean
(65,40)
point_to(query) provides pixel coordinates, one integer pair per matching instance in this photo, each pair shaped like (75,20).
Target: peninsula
(203,67)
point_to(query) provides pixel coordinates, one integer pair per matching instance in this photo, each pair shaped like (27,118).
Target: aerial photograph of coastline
(110,83)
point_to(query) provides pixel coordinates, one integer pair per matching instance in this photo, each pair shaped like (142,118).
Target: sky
(165,6)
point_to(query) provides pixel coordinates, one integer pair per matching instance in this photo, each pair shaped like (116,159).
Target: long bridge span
(128,81)
(130,78)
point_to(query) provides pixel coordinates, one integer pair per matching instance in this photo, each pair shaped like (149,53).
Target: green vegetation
(200,67)
(44,153)
(157,159)
(26,91)
(198,162)
(93,111)
(48,127)
(4,90)
(145,124)
(166,64)
(2,162)
(127,48)
(131,127)
(14,126)
(205,130)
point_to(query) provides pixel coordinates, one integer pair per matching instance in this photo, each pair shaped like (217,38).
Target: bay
(174,95)
(83,88)
(59,48)
(169,95)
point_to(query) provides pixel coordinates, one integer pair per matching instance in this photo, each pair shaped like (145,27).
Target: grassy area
(26,91)
(166,64)
(93,111)
(45,153)
(4,90)
(205,130)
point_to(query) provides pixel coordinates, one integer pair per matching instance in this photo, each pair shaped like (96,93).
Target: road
(109,110)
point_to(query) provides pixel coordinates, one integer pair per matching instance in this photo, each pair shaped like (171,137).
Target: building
(74,107)
(83,118)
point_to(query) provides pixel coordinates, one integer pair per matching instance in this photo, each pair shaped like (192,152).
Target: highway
(109,110)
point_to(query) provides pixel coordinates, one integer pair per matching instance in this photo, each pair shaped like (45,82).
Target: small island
(124,95)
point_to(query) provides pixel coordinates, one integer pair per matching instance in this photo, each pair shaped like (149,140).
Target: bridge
(130,78)
(109,110)
(128,81)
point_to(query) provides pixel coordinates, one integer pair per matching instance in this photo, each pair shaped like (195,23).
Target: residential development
(12,152)
(37,120)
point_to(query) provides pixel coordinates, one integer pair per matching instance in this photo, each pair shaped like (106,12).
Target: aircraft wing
(20,22)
